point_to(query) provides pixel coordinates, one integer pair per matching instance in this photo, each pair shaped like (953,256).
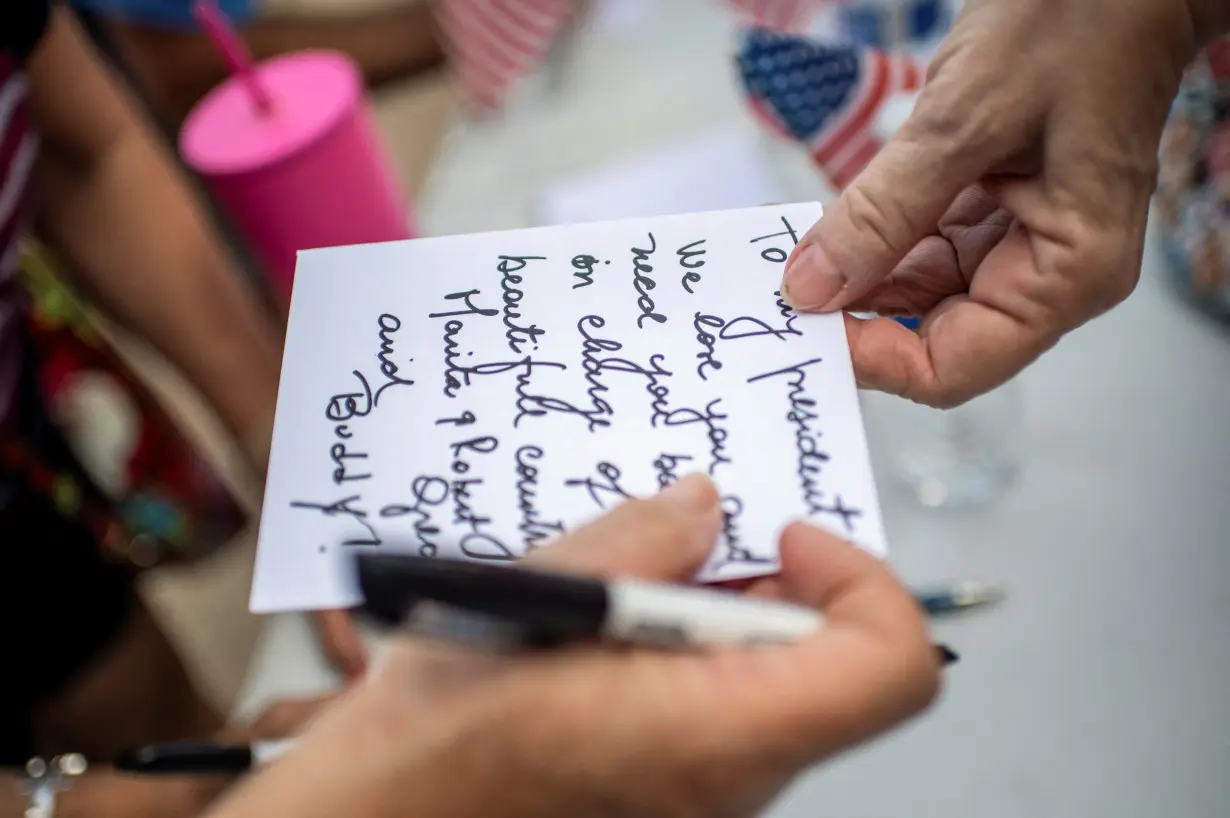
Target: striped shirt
(18,152)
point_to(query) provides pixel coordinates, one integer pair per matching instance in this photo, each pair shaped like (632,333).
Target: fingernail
(811,281)
(694,493)
(946,655)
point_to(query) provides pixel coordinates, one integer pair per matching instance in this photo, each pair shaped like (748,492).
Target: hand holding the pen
(594,730)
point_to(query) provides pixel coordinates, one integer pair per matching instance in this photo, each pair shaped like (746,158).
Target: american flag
(493,43)
(825,96)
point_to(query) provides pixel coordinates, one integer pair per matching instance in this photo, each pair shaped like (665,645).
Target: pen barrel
(186,758)
(645,613)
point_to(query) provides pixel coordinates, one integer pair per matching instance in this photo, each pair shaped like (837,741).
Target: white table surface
(1102,686)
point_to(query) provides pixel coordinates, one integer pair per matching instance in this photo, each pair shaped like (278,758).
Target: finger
(926,276)
(341,642)
(893,204)
(666,538)
(822,571)
(966,345)
(870,667)
(890,358)
(942,265)
(288,716)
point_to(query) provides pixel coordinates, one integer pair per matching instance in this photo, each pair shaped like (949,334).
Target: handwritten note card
(477,396)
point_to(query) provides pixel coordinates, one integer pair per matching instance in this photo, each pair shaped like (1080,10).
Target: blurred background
(1095,491)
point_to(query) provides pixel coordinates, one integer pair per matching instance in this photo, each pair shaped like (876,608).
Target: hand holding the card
(1011,207)
(593,730)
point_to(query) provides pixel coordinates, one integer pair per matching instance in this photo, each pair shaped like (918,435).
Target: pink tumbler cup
(311,171)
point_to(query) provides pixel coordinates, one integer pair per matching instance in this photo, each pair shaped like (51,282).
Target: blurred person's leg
(175,66)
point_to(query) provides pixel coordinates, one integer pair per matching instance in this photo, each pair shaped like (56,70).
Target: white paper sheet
(477,395)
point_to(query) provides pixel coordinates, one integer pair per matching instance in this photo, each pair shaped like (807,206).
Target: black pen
(498,605)
(199,757)
(540,607)
(957,597)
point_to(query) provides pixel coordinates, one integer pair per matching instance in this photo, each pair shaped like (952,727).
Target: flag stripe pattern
(825,96)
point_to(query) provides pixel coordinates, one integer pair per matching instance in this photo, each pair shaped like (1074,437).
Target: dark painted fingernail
(946,655)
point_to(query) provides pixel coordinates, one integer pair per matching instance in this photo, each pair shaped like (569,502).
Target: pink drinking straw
(232,50)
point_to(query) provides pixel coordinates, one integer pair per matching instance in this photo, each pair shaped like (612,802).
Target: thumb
(892,205)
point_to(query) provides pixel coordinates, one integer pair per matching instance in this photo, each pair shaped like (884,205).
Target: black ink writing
(470,309)
(451,384)
(339,455)
(344,507)
(665,467)
(604,487)
(515,334)
(777,254)
(584,266)
(810,458)
(713,430)
(644,284)
(351,404)
(464,419)
(389,324)
(732,537)
(707,341)
(480,445)
(426,493)
(476,543)
(595,366)
(747,326)
(689,260)
(534,529)
(451,347)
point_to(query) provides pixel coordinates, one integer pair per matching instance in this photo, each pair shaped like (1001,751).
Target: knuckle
(966,121)
(875,217)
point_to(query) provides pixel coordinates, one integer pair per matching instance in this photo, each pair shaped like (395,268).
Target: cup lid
(225,134)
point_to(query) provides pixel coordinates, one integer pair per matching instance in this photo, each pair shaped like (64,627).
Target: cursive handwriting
(810,458)
(594,366)
(344,507)
(466,418)
(747,326)
(643,284)
(426,493)
(339,455)
(476,543)
(709,419)
(349,405)
(455,376)
(732,537)
(514,334)
(707,341)
(606,483)
(451,347)
(470,309)
(389,324)
(584,266)
(534,529)
(777,254)
(451,383)
(665,468)
(690,261)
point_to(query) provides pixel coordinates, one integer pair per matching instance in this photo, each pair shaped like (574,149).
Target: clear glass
(955,458)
